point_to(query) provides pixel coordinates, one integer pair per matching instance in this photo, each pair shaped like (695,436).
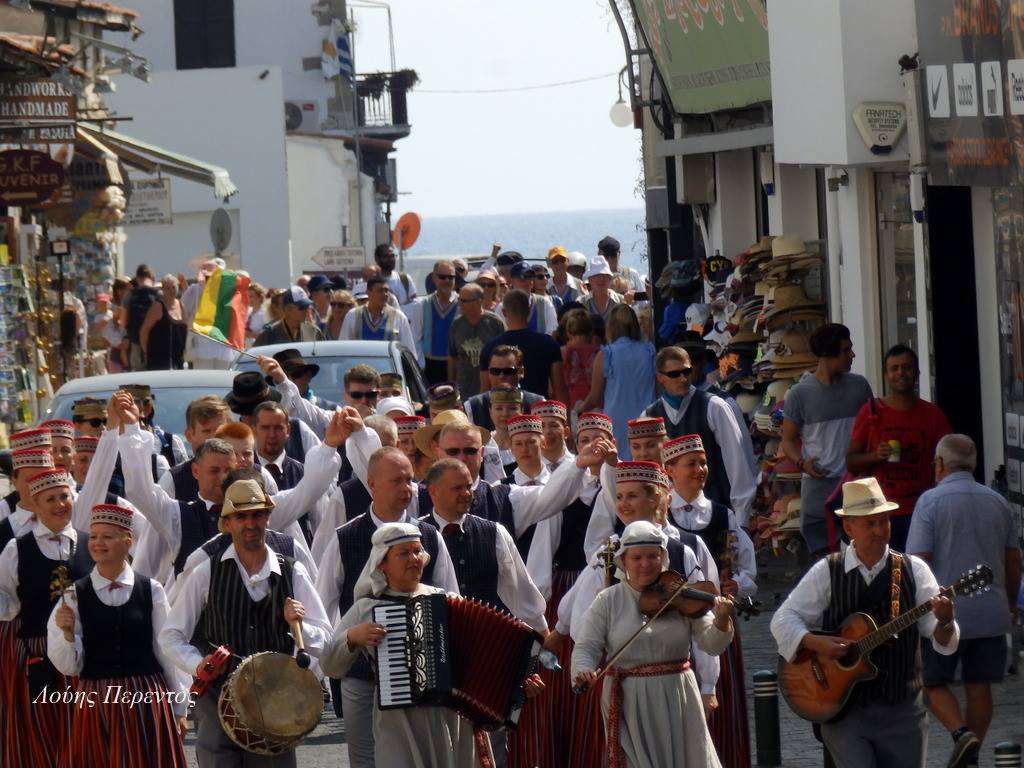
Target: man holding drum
(248,599)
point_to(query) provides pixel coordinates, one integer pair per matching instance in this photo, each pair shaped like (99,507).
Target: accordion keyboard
(393,672)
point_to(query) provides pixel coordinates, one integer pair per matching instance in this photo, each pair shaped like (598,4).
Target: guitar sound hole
(851,659)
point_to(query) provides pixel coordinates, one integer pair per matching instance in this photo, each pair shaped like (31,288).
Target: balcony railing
(382,103)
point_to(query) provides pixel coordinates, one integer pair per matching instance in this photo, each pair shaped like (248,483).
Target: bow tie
(114,585)
(452,529)
(54,538)
(215,509)
(687,507)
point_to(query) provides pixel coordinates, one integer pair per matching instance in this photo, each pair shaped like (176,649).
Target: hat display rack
(759,311)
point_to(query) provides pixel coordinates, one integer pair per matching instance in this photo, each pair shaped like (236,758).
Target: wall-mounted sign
(37,112)
(880,124)
(151,202)
(340,257)
(28,177)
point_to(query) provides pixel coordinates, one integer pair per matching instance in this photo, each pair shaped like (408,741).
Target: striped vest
(898,659)
(362,328)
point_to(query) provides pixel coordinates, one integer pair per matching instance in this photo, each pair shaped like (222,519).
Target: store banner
(711,54)
(150,202)
(972,84)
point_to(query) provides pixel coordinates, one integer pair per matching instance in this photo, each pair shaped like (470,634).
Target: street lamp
(621,113)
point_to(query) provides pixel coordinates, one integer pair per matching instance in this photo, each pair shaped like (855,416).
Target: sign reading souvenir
(340,257)
(28,177)
(37,112)
(711,54)
(972,84)
(880,124)
(151,202)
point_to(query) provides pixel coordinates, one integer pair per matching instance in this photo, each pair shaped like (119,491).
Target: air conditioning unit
(302,116)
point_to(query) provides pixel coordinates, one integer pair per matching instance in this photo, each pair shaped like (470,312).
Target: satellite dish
(407,230)
(220,230)
(292,116)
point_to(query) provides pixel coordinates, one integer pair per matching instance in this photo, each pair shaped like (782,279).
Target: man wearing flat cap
(884,721)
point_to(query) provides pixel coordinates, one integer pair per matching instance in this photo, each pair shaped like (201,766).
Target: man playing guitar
(883,722)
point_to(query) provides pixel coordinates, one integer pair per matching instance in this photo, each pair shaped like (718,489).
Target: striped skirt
(35,734)
(730,730)
(109,731)
(559,723)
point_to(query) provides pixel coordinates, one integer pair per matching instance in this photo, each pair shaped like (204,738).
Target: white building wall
(229,117)
(732,222)
(988,327)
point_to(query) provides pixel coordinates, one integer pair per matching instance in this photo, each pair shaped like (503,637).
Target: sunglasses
(540,276)
(486,284)
(369,394)
(528,276)
(338,305)
(91,422)
(444,277)
(453,452)
(502,371)
(460,270)
(677,372)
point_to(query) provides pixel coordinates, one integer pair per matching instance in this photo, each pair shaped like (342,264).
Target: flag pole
(223,343)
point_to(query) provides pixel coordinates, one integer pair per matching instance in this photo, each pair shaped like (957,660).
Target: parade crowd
(564,472)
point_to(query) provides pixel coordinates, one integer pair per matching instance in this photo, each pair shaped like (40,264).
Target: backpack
(139,302)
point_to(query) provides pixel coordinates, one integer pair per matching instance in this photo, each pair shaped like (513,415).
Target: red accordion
(459,653)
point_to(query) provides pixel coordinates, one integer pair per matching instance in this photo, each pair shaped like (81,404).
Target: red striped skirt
(110,730)
(34,734)
(730,730)
(8,632)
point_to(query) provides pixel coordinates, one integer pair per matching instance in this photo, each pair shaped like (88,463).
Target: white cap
(598,266)
(577,259)
(359,290)
(389,404)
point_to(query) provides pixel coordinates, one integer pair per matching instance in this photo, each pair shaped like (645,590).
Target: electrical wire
(519,88)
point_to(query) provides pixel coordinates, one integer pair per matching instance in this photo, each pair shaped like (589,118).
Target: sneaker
(965,751)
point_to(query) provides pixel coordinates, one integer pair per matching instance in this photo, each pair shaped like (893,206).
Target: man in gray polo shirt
(956,525)
(817,422)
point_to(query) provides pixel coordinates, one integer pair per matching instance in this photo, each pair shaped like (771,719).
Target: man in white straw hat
(884,722)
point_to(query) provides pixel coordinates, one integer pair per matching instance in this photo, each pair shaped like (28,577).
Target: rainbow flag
(223,308)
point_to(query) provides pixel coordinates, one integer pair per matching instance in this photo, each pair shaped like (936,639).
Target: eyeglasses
(460,270)
(444,277)
(486,284)
(91,422)
(540,276)
(677,372)
(559,260)
(453,452)
(369,394)
(339,305)
(502,371)
(297,373)
(528,276)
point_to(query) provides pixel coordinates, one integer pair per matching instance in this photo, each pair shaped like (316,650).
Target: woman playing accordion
(652,705)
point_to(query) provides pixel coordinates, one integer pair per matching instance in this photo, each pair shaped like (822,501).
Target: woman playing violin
(651,705)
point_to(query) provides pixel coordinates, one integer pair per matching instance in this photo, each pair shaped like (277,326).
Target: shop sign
(28,177)
(972,85)
(880,124)
(711,54)
(340,257)
(150,203)
(37,112)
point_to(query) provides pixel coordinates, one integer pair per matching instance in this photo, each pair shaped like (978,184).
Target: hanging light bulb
(620,114)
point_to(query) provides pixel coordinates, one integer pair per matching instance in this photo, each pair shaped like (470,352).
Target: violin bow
(622,649)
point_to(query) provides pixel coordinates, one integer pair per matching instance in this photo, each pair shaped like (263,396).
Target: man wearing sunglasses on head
(688,410)
(431,319)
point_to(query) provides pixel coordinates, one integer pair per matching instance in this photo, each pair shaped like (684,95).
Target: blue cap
(319,282)
(519,270)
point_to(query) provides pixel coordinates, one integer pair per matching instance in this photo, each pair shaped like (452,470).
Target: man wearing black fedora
(248,390)
(302,373)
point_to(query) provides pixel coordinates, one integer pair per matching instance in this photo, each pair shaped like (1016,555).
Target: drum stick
(301,657)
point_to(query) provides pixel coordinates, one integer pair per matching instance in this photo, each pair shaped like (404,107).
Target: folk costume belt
(616,757)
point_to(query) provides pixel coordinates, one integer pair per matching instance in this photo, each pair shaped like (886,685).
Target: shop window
(897,278)
(204,33)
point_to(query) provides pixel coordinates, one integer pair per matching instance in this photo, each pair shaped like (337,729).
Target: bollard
(1008,755)
(766,718)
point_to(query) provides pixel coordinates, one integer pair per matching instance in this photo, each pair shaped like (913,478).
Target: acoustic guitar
(817,688)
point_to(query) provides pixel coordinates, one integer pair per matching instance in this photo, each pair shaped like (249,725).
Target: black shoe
(965,751)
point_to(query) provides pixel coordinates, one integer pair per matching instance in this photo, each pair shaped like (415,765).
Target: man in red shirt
(894,439)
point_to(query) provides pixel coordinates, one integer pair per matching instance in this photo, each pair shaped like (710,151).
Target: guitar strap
(894,589)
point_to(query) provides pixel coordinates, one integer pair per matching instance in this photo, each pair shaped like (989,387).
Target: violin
(691,600)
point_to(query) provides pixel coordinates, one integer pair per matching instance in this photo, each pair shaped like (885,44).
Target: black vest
(569,556)
(35,572)
(524,541)
(474,555)
(480,407)
(695,422)
(714,532)
(357,498)
(186,487)
(234,619)
(490,502)
(293,445)
(281,543)
(899,658)
(198,526)
(13,499)
(354,544)
(117,641)
(6,532)
(291,475)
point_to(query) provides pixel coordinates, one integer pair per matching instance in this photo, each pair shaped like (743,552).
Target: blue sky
(544,150)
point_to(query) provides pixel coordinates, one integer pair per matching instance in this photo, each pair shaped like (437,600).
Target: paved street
(799,748)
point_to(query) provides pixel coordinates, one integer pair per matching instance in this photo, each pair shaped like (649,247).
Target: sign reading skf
(28,177)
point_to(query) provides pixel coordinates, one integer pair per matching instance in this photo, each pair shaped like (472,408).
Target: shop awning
(153,159)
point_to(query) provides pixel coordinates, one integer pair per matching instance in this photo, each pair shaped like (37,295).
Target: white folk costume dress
(114,654)
(652,706)
(423,736)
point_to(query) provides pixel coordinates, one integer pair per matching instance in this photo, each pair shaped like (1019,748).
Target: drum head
(275,698)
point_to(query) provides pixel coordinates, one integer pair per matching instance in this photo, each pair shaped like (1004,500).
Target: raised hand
(271,368)
(340,426)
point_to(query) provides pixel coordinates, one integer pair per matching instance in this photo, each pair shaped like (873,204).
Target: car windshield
(327,384)
(170,405)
